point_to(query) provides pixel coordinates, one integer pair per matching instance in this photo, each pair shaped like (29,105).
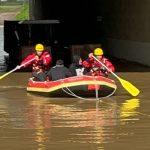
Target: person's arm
(47,59)
(28,58)
(88,62)
(49,75)
(67,72)
(110,65)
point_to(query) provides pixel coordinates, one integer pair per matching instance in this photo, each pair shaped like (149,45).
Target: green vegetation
(24,12)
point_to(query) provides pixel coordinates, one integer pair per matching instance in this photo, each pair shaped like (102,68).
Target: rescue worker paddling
(41,63)
(94,67)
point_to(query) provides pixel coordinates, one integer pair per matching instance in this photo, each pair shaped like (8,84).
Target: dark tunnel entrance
(78,20)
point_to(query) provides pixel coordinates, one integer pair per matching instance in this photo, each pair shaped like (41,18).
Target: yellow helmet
(39,47)
(98,52)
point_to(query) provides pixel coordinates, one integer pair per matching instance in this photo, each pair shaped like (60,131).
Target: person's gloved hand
(95,68)
(18,67)
(103,70)
(90,55)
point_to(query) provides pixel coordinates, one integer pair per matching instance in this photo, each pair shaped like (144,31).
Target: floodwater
(31,122)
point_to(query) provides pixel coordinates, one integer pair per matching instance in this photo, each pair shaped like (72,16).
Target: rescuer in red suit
(40,61)
(94,67)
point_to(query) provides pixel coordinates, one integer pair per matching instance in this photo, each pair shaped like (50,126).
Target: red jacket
(90,63)
(42,64)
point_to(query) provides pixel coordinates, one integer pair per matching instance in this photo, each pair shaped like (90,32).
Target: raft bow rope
(69,92)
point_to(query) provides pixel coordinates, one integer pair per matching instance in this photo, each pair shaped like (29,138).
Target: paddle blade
(129,87)
(1,77)
(4,75)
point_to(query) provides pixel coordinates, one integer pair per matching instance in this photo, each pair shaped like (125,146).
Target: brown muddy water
(31,122)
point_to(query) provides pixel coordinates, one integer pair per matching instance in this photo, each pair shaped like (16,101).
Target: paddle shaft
(16,68)
(27,62)
(106,67)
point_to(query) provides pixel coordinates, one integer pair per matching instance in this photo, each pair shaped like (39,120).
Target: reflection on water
(38,116)
(40,138)
(92,122)
(128,109)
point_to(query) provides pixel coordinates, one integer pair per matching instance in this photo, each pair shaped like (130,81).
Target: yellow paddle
(126,84)
(17,67)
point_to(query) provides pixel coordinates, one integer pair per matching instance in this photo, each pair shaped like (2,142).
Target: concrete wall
(126,24)
(2,52)
(130,50)
(35,9)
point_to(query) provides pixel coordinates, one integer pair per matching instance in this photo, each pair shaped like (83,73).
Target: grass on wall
(24,12)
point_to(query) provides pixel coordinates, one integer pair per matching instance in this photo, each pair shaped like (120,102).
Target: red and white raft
(85,86)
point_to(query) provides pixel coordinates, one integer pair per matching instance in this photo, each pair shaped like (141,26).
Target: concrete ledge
(130,50)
